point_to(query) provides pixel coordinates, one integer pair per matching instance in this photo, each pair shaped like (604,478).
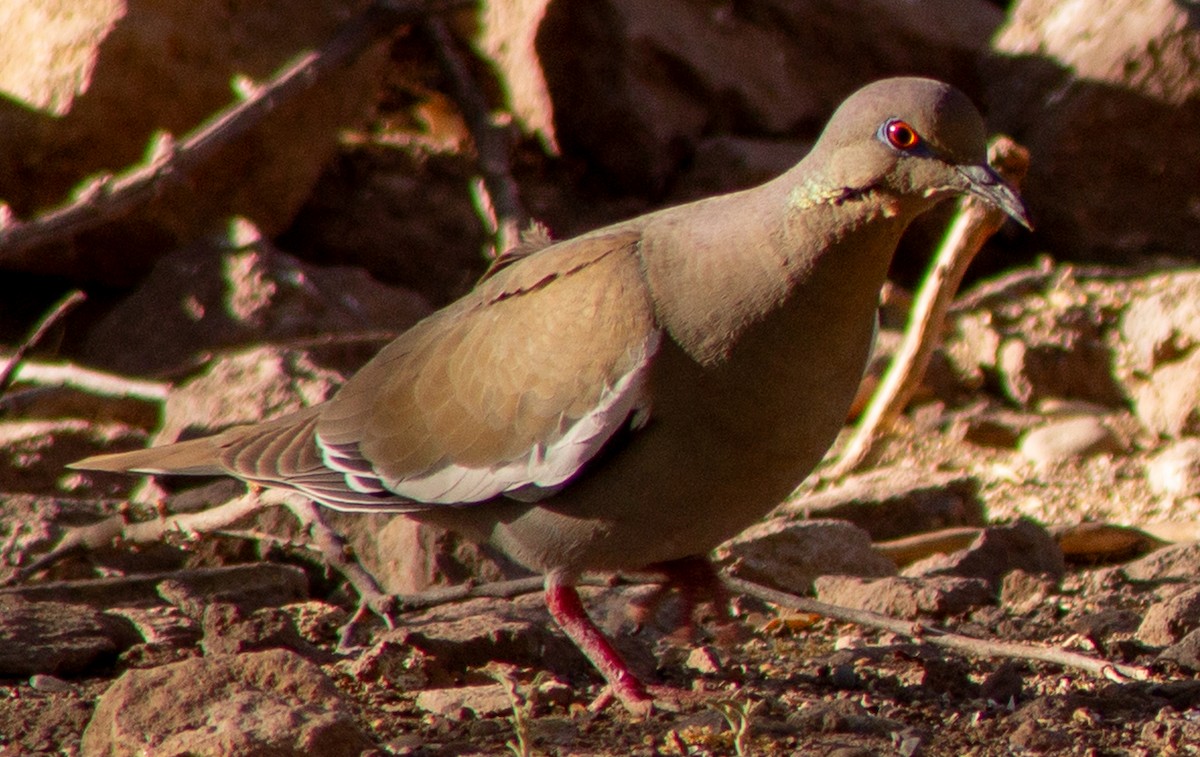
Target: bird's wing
(509,391)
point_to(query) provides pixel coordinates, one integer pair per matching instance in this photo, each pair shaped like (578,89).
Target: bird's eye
(900,135)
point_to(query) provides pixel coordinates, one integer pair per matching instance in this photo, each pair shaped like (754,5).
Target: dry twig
(118,528)
(46,375)
(940,638)
(56,314)
(497,197)
(972,226)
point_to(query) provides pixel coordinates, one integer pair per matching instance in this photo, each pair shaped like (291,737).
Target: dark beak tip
(990,187)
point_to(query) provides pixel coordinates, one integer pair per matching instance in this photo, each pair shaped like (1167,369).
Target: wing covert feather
(515,386)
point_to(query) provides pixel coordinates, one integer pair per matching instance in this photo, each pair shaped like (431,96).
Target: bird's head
(914,138)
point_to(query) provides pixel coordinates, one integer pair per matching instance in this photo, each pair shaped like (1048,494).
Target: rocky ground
(979,517)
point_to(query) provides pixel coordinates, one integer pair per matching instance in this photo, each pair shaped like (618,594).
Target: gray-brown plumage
(636,395)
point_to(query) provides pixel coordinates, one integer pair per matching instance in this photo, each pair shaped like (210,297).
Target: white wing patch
(543,471)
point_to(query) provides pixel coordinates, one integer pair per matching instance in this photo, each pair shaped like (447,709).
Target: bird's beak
(984,182)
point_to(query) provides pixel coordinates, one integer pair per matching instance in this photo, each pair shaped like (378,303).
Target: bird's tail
(198,457)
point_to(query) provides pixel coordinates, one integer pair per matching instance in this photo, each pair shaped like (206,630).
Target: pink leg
(699,585)
(567,610)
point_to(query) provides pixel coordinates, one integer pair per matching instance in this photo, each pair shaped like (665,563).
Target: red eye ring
(900,135)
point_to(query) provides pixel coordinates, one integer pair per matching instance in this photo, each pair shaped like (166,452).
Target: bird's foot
(567,610)
(696,581)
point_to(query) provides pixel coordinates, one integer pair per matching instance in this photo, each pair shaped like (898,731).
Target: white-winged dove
(628,399)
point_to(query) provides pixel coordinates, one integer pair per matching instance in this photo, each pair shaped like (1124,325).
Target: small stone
(1022,591)
(1067,439)
(1175,472)
(483,700)
(1169,621)
(1036,738)
(900,597)
(997,551)
(258,703)
(1004,684)
(47,683)
(790,555)
(892,502)
(703,660)
(1178,562)
(57,638)
(1185,652)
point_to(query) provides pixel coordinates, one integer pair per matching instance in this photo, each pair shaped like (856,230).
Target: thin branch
(940,638)
(56,314)
(169,162)
(118,528)
(974,223)
(91,381)
(497,195)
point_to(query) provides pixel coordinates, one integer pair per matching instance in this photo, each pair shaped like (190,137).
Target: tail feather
(198,457)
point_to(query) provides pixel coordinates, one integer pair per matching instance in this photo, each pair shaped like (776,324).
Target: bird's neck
(760,255)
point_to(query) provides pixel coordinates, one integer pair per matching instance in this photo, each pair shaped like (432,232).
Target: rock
(1004,684)
(789,555)
(1159,360)
(57,638)
(726,162)
(250,587)
(245,387)
(1080,82)
(228,630)
(261,704)
(997,551)
(1179,562)
(703,660)
(1042,341)
(408,557)
(663,74)
(482,701)
(1036,738)
(402,666)
(1068,439)
(1175,471)
(87,86)
(899,597)
(317,622)
(473,633)
(243,292)
(892,502)
(840,716)
(1022,592)
(1168,621)
(1185,652)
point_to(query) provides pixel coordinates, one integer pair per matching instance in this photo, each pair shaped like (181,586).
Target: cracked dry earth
(229,646)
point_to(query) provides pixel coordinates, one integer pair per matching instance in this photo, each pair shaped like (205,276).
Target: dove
(628,399)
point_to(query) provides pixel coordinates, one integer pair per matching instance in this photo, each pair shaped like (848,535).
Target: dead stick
(56,314)
(940,638)
(502,205)
(974,223)
(171,163)
(91,381)
(118,528)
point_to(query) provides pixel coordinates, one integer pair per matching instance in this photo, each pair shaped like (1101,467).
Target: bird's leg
(566,608)
(699,586)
